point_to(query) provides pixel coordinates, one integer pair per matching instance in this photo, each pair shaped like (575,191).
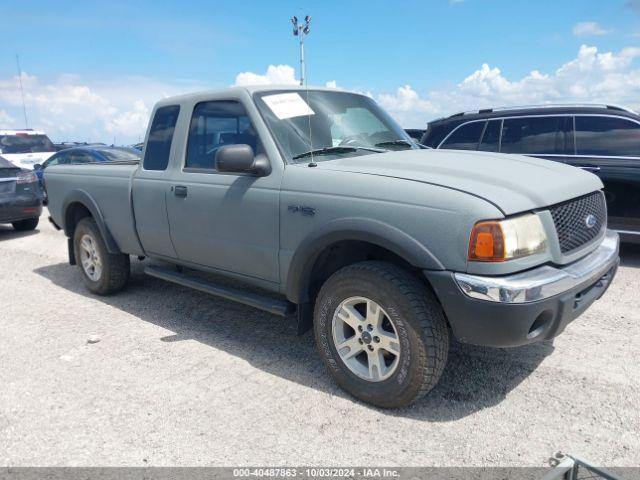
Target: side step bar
(262,302)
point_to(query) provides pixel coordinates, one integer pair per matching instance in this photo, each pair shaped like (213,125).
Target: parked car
(25,148)
(65,145)
(322,201)
(602,139)
(85,154)
(20,200)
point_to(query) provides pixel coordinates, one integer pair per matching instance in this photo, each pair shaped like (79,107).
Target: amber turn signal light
(487,242)
(502,240)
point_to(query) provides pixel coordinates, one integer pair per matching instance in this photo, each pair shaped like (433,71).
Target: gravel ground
(181,378)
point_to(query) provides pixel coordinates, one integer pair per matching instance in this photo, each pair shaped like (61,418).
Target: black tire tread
(432,358)
(116,266)
(25,225)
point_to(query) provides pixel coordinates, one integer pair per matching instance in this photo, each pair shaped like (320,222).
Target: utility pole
(24,106)
(301,30)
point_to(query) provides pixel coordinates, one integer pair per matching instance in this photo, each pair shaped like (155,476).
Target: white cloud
(70,109)
(133,120)
(584,29)
(275,75)
(592,77)
(407,105)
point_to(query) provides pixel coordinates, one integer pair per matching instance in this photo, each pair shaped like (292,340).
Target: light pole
(301,30)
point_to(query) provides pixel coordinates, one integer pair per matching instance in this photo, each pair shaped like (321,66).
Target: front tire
(381,333)
(25,225)
(103,273)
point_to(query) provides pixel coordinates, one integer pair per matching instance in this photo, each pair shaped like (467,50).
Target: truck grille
(579,221)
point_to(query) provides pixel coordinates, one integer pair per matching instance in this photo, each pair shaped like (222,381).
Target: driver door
(225,221)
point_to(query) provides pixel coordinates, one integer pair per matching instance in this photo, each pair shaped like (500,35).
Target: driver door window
(214,125)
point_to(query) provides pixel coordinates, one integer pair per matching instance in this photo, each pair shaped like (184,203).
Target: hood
(27,160)
(513,183)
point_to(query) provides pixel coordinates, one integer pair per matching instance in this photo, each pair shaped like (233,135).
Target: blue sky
(113,49)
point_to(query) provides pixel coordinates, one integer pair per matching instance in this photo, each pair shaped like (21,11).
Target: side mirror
(241,159)
(37,166)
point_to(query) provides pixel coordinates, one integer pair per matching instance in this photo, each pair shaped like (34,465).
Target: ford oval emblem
(590,221)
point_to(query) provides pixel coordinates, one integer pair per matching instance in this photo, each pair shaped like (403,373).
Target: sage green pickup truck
(320,202)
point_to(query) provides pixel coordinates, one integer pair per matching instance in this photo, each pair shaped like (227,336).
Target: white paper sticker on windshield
(287,105)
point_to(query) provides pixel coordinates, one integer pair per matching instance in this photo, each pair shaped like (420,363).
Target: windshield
(25,143)
(120,154)
(321,121)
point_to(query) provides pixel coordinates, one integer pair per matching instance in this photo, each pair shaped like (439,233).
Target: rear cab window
(607,136)
(158,148)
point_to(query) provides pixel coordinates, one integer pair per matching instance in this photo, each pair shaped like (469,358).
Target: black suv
(602,139)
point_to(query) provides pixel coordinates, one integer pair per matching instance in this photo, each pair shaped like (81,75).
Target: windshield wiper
(335,150)
(400,141)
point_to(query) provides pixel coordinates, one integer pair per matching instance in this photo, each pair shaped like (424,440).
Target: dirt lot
(182,378)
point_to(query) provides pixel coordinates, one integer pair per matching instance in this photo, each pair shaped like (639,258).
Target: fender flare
(356,229)
(83,198)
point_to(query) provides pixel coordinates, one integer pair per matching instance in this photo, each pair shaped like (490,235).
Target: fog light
(540,324)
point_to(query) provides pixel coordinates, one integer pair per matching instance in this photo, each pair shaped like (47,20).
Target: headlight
(500,240)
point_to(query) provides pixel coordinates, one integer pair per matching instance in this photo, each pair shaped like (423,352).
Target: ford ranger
(320,202)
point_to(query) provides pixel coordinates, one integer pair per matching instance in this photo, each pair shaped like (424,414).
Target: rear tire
(395,364)
(24,225)
(103,273)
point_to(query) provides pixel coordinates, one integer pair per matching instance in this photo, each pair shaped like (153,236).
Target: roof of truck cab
(250,89)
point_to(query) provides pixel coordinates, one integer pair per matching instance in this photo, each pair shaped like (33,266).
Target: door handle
(180,191)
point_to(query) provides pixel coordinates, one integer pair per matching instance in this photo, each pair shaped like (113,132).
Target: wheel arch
(79,205)
(356,232)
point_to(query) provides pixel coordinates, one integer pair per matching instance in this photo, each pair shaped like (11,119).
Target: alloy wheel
(366,339)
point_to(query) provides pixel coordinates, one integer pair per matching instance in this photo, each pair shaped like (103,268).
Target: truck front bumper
(512,310)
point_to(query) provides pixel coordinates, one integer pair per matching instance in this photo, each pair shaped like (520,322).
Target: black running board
(262,302)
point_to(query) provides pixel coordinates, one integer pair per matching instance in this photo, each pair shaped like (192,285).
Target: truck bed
(107,184)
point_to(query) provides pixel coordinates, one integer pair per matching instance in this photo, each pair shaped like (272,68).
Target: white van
(25,148)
